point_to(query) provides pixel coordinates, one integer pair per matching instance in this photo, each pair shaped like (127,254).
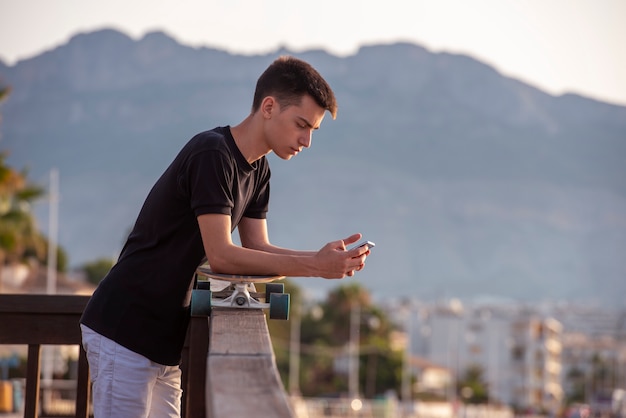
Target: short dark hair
(289,79)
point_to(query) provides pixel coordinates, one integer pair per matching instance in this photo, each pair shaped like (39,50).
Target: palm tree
(19,237)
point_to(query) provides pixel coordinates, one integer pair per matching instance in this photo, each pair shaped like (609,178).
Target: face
(289,130)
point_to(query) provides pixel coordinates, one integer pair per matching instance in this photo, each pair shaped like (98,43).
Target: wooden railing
(36,320)
(242,378)
(234,375)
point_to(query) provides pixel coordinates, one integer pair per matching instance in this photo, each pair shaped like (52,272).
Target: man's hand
(335,262)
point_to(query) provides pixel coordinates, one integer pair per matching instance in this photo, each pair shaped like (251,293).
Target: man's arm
(253,234)
(258,256)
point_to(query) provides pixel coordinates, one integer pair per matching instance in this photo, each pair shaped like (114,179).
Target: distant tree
(597,380)
(324,335)
(4,93)
(575,379)
(96,270)
(472,386)
(602,374)
(16,224)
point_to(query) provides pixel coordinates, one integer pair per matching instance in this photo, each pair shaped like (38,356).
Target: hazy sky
(556,45)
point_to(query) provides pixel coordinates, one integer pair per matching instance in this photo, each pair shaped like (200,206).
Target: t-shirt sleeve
(208,180)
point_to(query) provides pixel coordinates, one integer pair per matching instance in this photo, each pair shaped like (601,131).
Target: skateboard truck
(240,298)
(237,294)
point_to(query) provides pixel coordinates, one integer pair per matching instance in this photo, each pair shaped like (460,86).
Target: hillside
(471,183)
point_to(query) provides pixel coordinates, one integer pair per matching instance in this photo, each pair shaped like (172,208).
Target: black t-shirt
(143,302)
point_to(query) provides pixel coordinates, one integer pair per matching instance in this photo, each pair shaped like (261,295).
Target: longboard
(233,291)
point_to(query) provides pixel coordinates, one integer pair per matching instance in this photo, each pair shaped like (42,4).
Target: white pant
(127,384)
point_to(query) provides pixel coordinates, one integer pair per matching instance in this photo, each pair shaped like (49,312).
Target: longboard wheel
(279,306)
(273,288)
(201,302)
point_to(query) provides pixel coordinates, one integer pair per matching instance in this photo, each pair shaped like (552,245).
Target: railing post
(194,368)
(33,369)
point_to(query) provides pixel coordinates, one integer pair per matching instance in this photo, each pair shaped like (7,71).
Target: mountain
(470,182)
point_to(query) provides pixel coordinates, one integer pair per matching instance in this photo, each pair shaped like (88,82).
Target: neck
(249,138)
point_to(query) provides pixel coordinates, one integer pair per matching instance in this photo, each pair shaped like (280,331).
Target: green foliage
(472,387)
(324,335)
(4,92)
(96,270)
(19,237)
(576,382)
(598,379)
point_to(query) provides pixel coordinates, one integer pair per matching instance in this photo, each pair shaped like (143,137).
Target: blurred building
(518,350)
(32,279)
(431,378)
(532,357)
(536,363)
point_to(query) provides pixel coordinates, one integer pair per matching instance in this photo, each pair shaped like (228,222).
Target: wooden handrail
(242,377)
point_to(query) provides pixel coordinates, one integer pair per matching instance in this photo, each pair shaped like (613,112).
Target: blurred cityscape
(455,358)
(536,359)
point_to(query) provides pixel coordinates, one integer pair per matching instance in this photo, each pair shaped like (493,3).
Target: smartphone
(369,244)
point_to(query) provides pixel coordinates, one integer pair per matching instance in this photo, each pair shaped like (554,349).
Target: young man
(135,323)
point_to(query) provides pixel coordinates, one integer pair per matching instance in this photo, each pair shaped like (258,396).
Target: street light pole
(48,352)
(353,365)
(294,352)
(406,370)
(53,228)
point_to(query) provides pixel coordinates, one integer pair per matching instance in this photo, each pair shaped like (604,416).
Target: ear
(268,106)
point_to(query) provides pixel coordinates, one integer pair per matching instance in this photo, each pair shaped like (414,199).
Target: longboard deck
(237,278)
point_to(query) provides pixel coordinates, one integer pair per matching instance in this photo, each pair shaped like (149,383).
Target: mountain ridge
(468,180)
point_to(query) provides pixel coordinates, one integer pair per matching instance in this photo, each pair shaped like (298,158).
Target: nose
(305,140)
